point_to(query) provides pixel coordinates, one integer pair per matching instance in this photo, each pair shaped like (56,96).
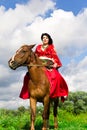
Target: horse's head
(21,57)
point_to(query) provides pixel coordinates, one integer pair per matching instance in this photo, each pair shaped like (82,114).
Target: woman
(46,52)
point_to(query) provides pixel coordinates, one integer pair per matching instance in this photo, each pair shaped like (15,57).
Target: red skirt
(58,86)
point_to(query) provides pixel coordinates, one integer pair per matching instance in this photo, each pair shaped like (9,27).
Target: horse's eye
(23,51)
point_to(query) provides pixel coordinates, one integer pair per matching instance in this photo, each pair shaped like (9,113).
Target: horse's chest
(38,91)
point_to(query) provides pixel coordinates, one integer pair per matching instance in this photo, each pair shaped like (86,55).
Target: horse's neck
(35,68)
(35,59)
(35,74)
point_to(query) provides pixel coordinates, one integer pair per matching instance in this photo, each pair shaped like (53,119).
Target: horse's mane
(35,57)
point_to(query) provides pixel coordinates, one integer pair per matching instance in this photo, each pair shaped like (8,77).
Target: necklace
(44,47)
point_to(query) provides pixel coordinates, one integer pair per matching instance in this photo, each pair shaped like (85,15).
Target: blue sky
(11,3)
(72,5)
(23,21)
(68,5)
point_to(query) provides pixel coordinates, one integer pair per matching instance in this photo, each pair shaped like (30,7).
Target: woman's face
(45,40)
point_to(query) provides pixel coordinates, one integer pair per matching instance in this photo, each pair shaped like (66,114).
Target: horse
(38,86)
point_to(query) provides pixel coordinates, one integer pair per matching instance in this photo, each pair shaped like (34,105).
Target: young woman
(46,52)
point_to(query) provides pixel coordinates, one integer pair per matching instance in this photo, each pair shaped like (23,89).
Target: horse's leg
(45,111)
(48,114)
(56,101)
(33,112)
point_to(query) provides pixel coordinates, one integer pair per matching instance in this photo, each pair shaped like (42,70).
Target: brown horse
(39,86)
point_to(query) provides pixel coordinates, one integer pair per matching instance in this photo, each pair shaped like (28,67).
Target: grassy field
(14,120)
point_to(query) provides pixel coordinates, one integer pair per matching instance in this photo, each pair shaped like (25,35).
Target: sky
(23,22)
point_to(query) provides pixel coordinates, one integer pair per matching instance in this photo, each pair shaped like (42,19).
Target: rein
(32,54)
(31,65)
(37,65)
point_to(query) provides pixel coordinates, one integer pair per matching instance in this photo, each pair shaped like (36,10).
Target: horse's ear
(31,46)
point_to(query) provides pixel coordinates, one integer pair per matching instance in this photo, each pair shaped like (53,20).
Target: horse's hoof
(56,127)
(32,129)
(44,129)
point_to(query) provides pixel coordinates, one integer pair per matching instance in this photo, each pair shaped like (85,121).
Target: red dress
(58,86)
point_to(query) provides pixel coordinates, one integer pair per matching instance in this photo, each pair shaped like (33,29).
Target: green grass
(68,121)
(21,121)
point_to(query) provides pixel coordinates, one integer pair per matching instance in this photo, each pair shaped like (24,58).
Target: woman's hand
(55,65)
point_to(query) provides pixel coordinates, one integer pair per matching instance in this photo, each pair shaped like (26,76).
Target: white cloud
(25,24)
(14,103)
(76,75)
(3,72)
(83,63)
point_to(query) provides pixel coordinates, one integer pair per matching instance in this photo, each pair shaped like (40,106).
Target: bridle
(32,64)
(38,65)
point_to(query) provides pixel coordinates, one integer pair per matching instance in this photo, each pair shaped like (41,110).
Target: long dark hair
(50,39)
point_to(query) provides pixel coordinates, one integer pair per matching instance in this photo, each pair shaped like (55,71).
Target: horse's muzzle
(12,64)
